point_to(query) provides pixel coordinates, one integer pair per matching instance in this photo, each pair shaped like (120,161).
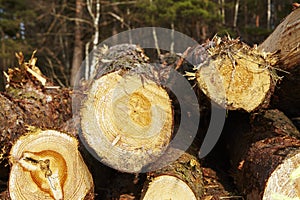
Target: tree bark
(265,152)
(181,179)
(285,40)
(11,126)
(126,117)
(30,99)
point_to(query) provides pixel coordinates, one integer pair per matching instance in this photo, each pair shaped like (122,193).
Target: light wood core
(169,188)
(47,165)
(284,182)
(127,121)
(236,76)
(140,109)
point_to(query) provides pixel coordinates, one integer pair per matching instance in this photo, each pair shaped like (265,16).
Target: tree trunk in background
(2,83)
(236,13)
(222,10)
(269,14)
(78,44)
(245,14)
(2,63)
(95,39)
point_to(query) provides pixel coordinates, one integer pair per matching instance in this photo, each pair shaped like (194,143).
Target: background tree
(14,18)
(61,30)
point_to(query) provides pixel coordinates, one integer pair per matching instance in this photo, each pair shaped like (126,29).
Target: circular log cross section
(284,182)
(126,121)
(179,180)
(47,165)
(237,76)
(169,187)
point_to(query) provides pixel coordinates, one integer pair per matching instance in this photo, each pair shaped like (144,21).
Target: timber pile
(44,164)
(127,119)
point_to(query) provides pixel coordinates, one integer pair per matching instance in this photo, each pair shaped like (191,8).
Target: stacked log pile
(44,160)
(127,118)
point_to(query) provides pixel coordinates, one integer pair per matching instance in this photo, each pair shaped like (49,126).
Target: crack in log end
(47,169)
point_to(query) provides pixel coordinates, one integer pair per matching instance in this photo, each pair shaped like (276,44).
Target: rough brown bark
(261,147)
(285,40)
(30,99)
(5,195)
(44,104)
(12,124)
(181,179)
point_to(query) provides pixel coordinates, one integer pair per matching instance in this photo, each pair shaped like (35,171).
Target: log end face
(236,76)
(284,182)
(50,166)
(169,187)
(127,122)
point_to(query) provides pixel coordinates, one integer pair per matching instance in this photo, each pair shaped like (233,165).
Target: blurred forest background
(64,31)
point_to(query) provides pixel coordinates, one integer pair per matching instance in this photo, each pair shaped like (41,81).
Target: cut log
(50,166)
(126,118)
(126,122)
(285,39)
(265,153)
(30,98)
(180,180)
(234,75)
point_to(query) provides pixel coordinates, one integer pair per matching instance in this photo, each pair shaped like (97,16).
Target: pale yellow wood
(47,165)
(127,121)
(284,182)
(169,187)
(236,76)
